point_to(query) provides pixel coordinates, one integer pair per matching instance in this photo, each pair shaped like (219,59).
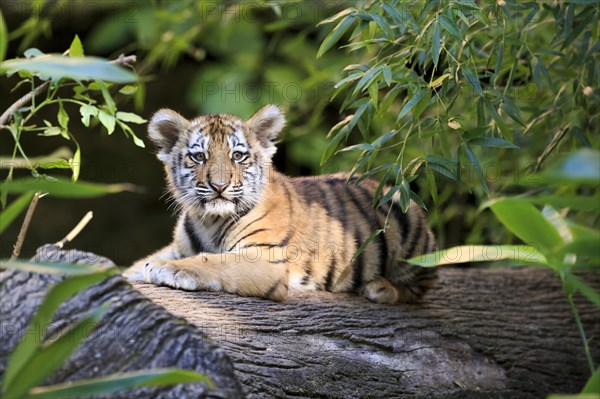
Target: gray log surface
(505,333)
(135,333)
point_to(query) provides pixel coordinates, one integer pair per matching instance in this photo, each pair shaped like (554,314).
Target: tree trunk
(480,333)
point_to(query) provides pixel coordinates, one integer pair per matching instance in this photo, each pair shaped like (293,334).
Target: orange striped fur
(247,229)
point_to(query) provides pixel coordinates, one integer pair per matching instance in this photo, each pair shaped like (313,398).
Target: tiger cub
(244,228)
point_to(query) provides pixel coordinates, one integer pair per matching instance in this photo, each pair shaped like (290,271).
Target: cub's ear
(164,129)
(266,124)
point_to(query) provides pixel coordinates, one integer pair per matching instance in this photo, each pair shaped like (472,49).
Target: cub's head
(216,164)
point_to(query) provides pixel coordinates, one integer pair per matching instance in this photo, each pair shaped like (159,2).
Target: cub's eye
(198,158)
(237,156)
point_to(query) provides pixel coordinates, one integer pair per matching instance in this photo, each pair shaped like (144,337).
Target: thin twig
(21,102)
(76,230)
(25,226)
(122,60)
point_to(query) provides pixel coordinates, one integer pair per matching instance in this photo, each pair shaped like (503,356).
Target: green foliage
(473,94)
(553,240)
(34,360)
(56,72)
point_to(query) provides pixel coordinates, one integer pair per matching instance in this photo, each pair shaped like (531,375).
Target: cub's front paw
(164,273)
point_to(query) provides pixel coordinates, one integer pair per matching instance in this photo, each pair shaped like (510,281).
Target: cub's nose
(218,187)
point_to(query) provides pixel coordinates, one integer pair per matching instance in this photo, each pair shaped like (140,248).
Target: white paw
(161,272)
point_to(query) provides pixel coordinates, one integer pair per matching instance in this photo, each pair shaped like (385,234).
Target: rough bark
(481,333)
(135,334)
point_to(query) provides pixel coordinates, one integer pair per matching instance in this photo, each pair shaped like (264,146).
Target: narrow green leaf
(77,68)
(48,357)
(114,383)
(333,143)
(62,117)
(480,253)
(76,49)
(581,25)
(63,188)
(335,35)
(388,195)
(381,140)
(130,117)
(494,142)
(475,165)
(435,45)
(509,107)
(358,147)
(3,37)
(418,94)
(536,231)
(136,140)
(472,79)
(367,78)
(337,16)
(364,245)
(75,163)
(450,27)
(70,269)
(592,295)
(26,348)
(110,103)
(387,75)
(8,215)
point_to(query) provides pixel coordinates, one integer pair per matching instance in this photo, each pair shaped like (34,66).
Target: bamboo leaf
(76,68)
(8,215)
(111,384)
(538,231)
(63,188)
(480,253)
(335,35)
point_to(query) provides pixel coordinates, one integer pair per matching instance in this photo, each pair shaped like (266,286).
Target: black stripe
(246,236)
(308,268)
(179,161)
(254,221)
(329,279)
(272,289)
(305,279)
(277,262)
(371,217)
(197,245)
(224,231)
(426,244)
(402,220)
(341,215)
(410,252)
(359,264)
